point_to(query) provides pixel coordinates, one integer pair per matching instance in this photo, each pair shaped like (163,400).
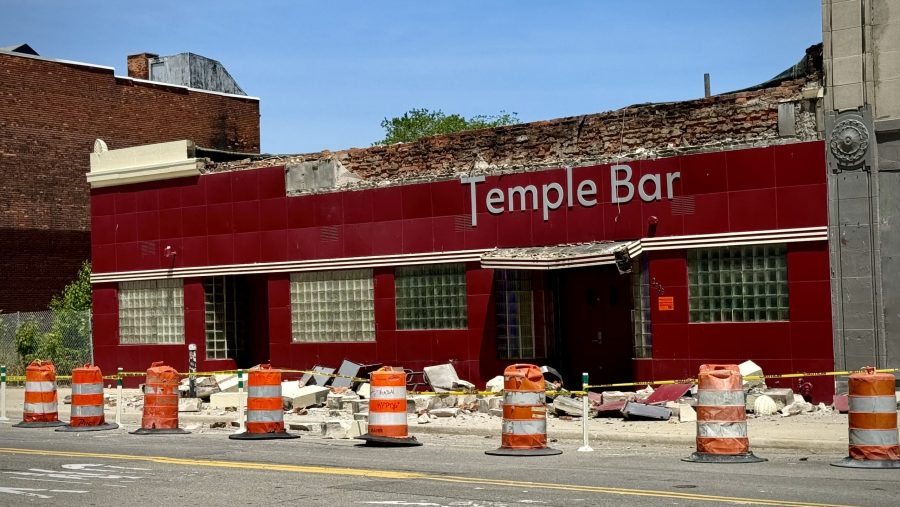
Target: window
(514,301)
(333,306)
(221,321)
(431,297)
(640,313)
(151,312)
(738,284)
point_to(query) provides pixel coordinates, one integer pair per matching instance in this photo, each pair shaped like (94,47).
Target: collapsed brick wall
(52,113)
(641,131)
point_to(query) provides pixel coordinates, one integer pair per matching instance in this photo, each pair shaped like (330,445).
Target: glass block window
(738,284)
(221,320)
(431,297)
(151,312)
(333,306)
(513,296)
(642,333)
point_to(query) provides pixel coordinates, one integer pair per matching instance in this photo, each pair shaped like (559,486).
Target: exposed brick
(52,112)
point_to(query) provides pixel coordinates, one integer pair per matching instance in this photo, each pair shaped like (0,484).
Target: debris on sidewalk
(565,405)
(441,377)
(671,392)
(495,385)
(635,410)
(751,369)
(764,405)
(189,404)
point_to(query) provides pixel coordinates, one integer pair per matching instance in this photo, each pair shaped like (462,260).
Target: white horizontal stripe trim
(873,437)
(707,398)
(387,393)
(40,386)
(873,404)
(40,408)
(264,392)
(294,266)
(721,430)
(535,427)
(87,388)
(520,398)
(387,419)
(87,410)
(265,416)
(634,248)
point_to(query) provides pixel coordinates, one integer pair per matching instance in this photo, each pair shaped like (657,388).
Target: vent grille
(683,205)
(329,233)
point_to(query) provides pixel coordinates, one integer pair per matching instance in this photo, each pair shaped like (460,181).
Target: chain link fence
(63,337)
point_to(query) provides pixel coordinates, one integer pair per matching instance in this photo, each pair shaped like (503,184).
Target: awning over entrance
(561,256)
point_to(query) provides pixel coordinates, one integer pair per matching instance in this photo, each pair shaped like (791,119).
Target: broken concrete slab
(634,410)
(686,413)
(364,390)
(463,385)
(189,404)
(306,396)
(782,396)
(497,412)
(441,377)
(610,396)
(444,412)
(671,392)
(751,369)
(337,428)
(357,429)
(314,428)
(611,409)
(495,385)
(565,405)
(423,419)
(349,371)
(226,400)
(228,383)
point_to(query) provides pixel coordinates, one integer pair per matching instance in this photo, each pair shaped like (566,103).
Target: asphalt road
(41,466)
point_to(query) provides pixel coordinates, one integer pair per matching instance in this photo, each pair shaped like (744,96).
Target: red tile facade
(244,217)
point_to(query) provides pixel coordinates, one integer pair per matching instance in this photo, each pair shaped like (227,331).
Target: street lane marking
(391,474)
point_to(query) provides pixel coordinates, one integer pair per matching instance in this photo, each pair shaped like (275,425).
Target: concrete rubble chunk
(495,403)
(497,412)
(463,385)
(751,369)
(361,416)
(797,407)
(314,428)
(307,396)
(565,405)
(189,404)
(423,419)
(337,428)
(357,428)
(364,390)
(686,413)
(444,412)
(419,402)
(441,377)
(635,410)
(782,396)
(228,383)
(495,385)
(613,396)
(226,400)
(764,405)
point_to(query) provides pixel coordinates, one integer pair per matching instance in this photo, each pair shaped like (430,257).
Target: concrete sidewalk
(814,432)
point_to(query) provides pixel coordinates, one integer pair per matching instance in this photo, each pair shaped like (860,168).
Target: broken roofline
(730,121)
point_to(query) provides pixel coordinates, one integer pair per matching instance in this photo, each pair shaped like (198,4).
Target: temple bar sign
(649,188)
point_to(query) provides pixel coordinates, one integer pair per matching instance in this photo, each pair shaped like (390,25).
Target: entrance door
(595,325)
(237,319)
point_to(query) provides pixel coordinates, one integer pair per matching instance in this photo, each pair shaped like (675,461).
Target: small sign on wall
(666,303)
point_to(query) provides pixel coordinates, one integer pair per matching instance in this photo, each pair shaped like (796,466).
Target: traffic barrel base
(849,462)
(380,441)
(705,457)
(159,431)
(99,427)
(39,424)
(502,451)
(261,436)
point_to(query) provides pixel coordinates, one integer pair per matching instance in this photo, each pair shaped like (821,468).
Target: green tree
(417,123)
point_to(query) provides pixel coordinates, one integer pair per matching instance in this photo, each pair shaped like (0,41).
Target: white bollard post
(3,417)
(241,426)
(119,397)
(586,414)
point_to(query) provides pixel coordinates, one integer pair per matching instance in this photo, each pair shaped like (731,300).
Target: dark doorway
(237,323)
(595,325)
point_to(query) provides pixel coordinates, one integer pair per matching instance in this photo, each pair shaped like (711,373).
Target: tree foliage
(417,123)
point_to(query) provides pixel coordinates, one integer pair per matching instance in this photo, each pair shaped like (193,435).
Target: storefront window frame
(151,312)
(431,297)
(335,306)
(517,285)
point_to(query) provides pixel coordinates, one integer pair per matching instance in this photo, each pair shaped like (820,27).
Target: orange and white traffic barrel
(160,401)
(524,413)
(265,414)
(387,409)
(872,421)
(40,396)
(722,417)
(87,401)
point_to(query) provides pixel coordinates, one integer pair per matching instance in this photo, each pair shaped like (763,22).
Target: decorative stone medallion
(849,142)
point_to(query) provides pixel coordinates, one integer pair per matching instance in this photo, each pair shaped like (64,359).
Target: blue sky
(328,72)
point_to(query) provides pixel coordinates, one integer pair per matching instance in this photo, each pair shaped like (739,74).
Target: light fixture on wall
(169,252)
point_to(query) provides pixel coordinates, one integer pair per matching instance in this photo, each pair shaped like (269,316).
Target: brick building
(633,244)
(53,111)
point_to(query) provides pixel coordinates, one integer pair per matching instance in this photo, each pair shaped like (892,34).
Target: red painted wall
(245,217)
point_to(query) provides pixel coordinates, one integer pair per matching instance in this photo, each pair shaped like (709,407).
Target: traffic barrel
(265,414)
(722,417)
(87,401)
(524,413)
(160,402)
(387,409)
(40,396)
(872,421)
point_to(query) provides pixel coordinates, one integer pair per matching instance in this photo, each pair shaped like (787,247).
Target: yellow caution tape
(748,377)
